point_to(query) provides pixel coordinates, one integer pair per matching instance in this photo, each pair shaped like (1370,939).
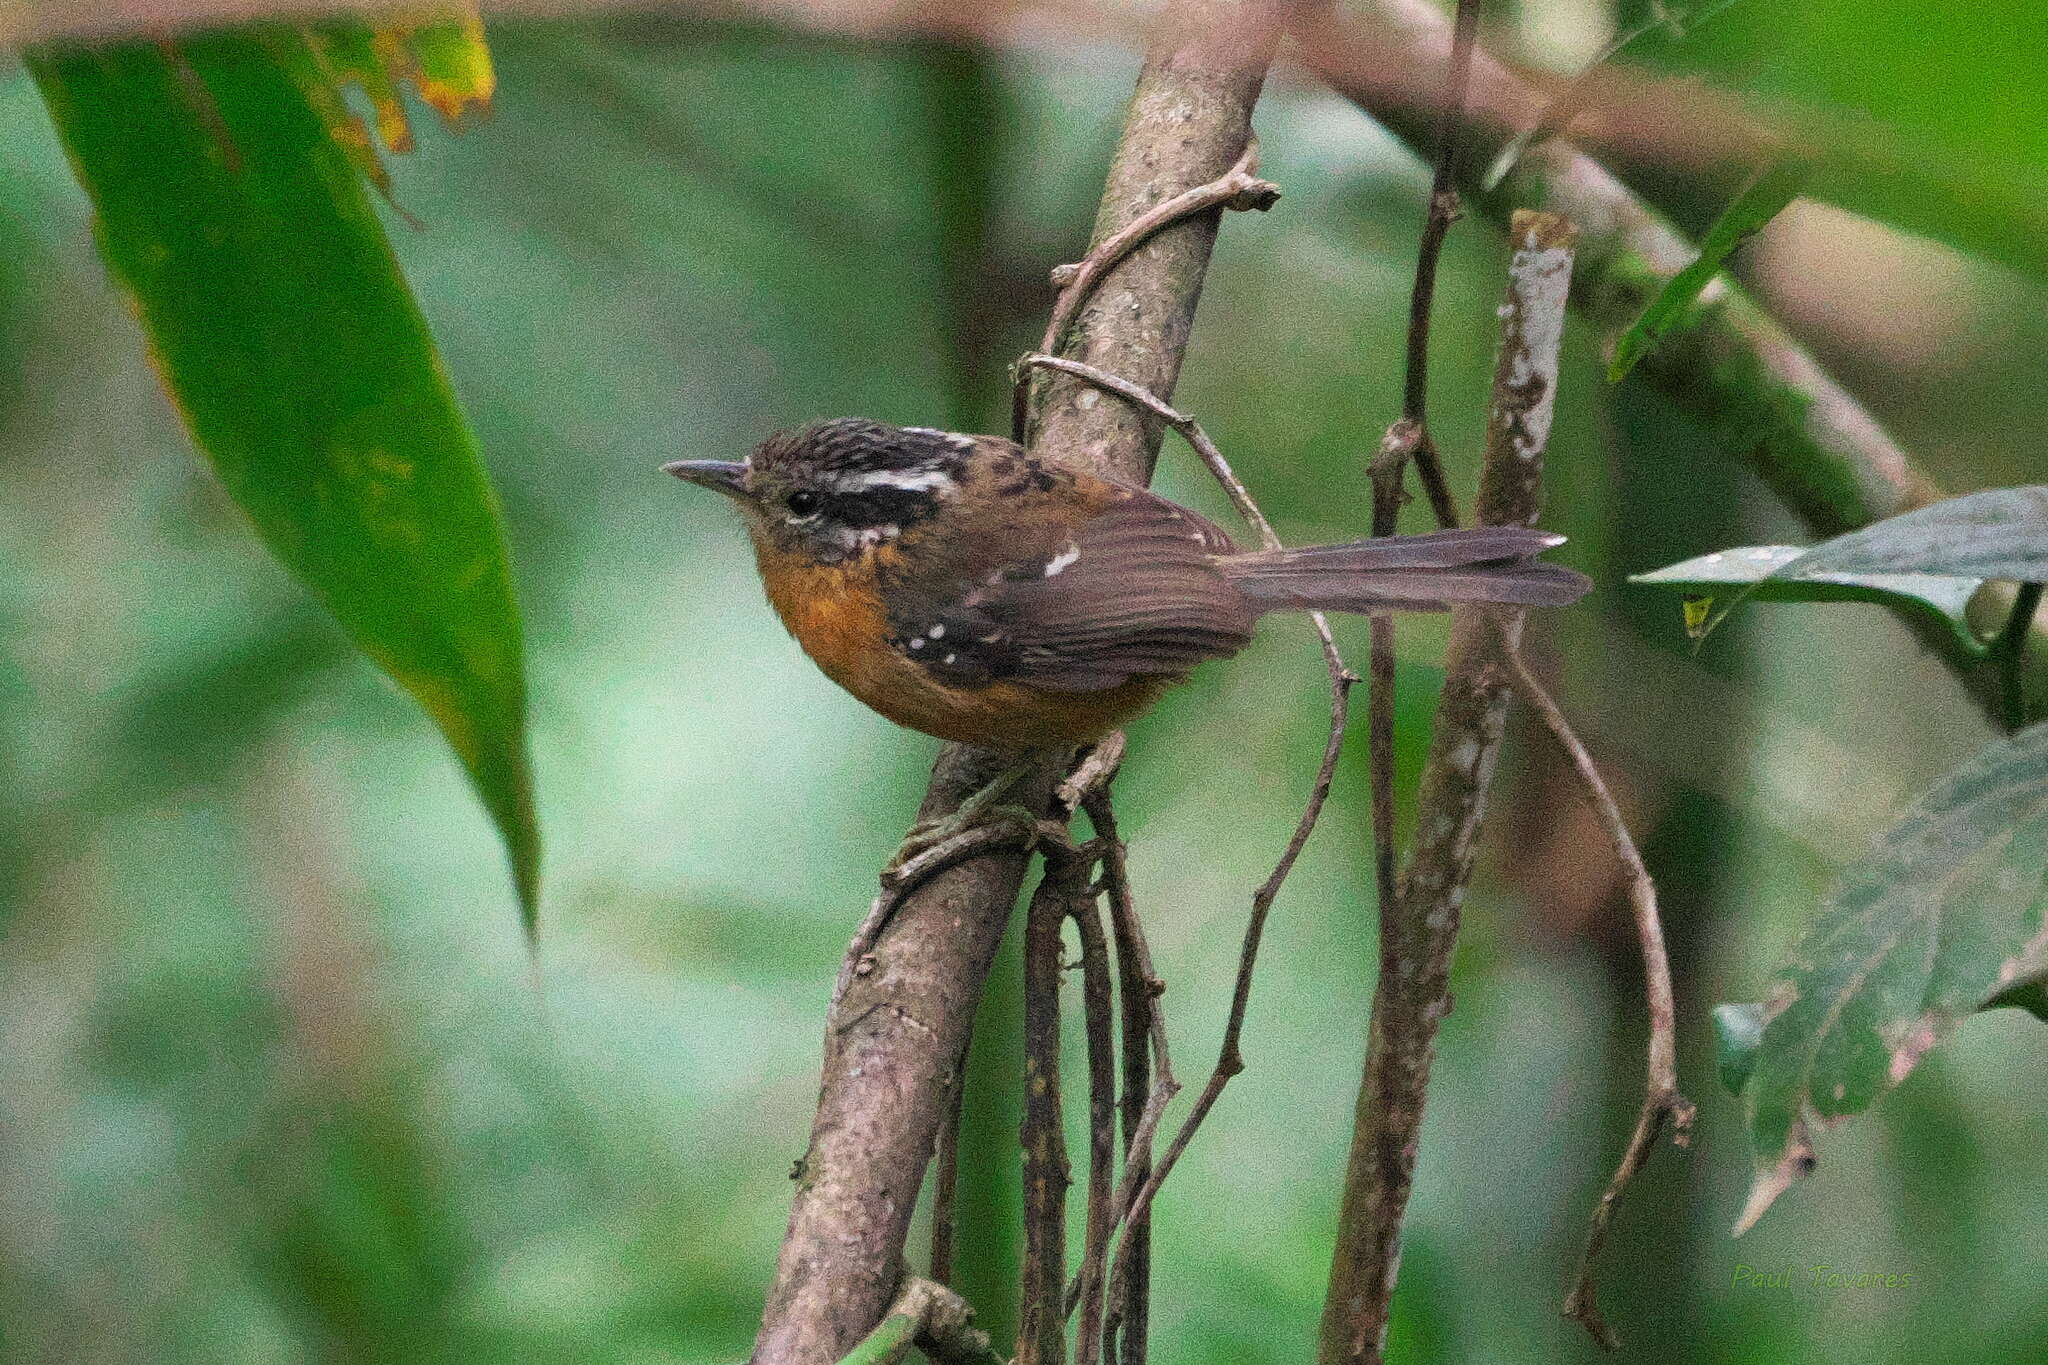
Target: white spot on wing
(1059,562)
(938,631)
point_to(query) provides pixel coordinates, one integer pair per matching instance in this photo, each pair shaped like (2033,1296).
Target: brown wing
(1133,591)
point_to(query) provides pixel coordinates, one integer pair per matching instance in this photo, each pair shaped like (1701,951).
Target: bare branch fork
(932,1318)
(904,1002)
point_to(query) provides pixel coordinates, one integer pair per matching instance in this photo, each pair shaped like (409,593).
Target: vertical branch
(1042,1321)
(1099,1016)
(1442,212)
(1413,994)
(1145,1095)
(1408,439)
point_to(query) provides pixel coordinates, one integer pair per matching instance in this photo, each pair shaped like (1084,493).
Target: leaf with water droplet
(1756,571)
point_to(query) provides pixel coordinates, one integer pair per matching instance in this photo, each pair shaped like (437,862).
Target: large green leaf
(1948,914)
(1998,533)
(287,337)
(1754,571)
(1913,120)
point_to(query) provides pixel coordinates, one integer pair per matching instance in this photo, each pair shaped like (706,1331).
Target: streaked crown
(848,483)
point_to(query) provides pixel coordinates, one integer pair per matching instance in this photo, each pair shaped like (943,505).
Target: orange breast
(834,613)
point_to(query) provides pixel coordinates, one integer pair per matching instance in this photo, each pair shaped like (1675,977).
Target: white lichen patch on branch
(1541,278)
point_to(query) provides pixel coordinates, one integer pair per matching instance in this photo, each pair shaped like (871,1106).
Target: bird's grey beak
(722,476)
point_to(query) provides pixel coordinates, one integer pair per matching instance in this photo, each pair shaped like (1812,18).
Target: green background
(276,1081)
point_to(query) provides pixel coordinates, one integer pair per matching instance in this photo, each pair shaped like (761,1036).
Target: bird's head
(835,489)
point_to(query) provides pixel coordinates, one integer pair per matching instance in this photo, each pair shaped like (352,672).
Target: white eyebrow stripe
(904,480)
(951,438)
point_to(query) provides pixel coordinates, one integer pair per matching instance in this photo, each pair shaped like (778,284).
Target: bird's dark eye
(803,502)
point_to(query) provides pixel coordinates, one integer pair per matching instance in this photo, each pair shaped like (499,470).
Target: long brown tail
(1409,573)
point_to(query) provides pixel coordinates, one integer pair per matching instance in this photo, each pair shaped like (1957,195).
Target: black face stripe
(880,506)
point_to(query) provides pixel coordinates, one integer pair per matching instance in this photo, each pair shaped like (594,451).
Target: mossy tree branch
(1731,367)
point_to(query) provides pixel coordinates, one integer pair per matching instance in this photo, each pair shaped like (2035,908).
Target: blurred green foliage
(276,1081)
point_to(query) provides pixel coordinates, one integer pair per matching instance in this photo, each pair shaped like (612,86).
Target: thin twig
(1127,1315)
(1130,939)
(1230,1059)
(1219,467)
(1662,1101)
(1436,225)
(1190,430)
(1141,989)
(2011,652)
(1565,106)
(1237,188)
(1042,1323)
(1098,1013)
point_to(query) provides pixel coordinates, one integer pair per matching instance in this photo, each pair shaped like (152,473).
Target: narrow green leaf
(283,330)
(1756,571)
(1946,915)
(1762,199)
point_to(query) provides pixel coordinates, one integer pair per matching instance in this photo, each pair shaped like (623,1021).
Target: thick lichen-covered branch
(1418,936)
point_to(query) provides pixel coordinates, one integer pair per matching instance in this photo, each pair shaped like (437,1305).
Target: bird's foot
(984,807)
